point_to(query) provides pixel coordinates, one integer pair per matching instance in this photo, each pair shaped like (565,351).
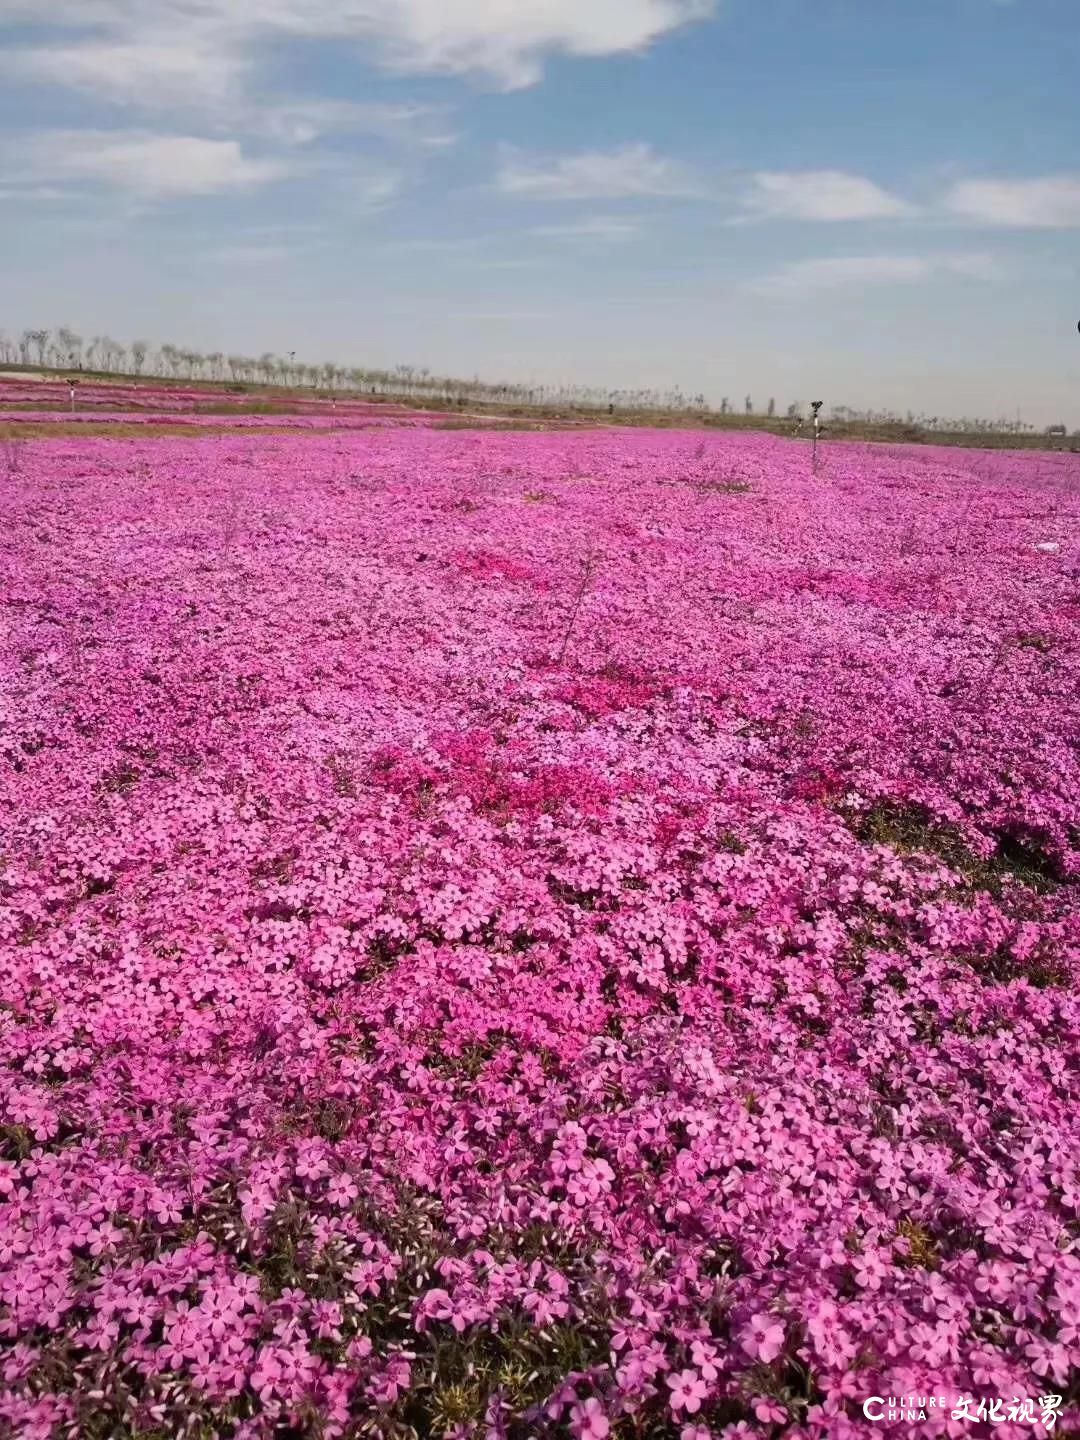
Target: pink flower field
(361,418)
(516,935)
(100,402)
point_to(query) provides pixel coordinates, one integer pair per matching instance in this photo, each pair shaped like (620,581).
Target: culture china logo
(1017,1411)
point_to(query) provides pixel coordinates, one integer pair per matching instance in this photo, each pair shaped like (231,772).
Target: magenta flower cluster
(520,935)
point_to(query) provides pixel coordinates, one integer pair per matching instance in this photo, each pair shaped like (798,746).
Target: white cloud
(24,193)
(974,267)
(145,164)
(604,228)
(438,245)
(302,122)
(624,173)
(506,41)
(1049,202)
(160,71)
(820,195)
(500,316)
(842,272)
(182,73)
(244,255)
(858,272)
(368,190)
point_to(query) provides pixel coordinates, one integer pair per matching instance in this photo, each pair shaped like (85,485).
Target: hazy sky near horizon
(872,201)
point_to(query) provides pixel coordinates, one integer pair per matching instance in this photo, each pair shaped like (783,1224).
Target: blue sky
(877,201)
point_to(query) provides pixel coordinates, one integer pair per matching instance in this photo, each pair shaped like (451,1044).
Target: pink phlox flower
(763,1338)
(769,1411)
(688,1390)
(588,1421)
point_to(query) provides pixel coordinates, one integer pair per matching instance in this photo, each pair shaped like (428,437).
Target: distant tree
(70,345)
(64,348)
(111,353)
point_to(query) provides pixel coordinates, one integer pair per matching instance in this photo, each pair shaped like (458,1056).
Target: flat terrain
(523,934)
(31,398)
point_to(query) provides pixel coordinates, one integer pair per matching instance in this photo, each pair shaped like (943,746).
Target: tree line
(64,350)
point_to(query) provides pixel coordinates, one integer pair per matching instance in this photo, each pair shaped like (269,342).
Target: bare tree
(815,406)
(63,348)
(111,353)
(70,345)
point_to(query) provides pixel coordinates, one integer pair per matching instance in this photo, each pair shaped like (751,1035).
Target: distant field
(31,397)
(563,934)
